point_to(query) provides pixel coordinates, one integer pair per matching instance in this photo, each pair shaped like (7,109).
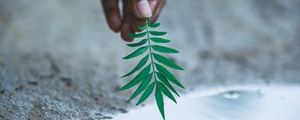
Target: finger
(154,4)
(127,20)
(126,29)
(157,6)
(138,22)
(134,26)
(112,13)
(142,9)
(136,11)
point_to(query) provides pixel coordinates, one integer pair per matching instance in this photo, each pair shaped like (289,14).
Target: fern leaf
(146,94)
(138,52)
(142,42)
(168,75)
(157,33)
(154,25)
(167,83)
(142,86)
(137,79)
(138,66)
(154,77)
(166,91)
(163,49)
(166,61)
(139,35)
(142,27)
(160,40)
(160,102)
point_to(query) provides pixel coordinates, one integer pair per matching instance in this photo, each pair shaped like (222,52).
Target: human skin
(134,14)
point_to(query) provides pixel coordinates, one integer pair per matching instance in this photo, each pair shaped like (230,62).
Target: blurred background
(59,59)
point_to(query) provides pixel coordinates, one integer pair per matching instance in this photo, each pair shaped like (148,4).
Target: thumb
(143,8)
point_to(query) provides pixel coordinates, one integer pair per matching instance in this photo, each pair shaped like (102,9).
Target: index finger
(112,13)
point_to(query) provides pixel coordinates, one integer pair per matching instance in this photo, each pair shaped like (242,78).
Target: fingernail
(144,8)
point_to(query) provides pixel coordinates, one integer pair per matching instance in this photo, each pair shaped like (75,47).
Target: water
(239,103)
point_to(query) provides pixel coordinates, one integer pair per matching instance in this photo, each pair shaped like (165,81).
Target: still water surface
(238,103)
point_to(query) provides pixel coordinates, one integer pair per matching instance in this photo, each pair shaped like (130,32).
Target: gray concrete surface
(59,60)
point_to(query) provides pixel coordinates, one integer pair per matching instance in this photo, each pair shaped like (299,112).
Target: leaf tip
(120,89)
(130,35)
(137,104)
(129,99)
(123,76)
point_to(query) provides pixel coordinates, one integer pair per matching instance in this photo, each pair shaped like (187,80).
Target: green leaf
(157,33)
(149,20)
(142,86)
(138,52)
(146,94)
(159,40)
(160,102)
(139,35)
(162,85)
(163,49)
(166,61)
(137,79)
(142,27)
(153,25)
(168,75)
(138,66)
(166,82)
(142,42)
(166,91)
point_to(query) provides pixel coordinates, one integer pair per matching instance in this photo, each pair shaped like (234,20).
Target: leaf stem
(150,49)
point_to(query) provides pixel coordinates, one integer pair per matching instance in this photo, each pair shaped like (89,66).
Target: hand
(134,14)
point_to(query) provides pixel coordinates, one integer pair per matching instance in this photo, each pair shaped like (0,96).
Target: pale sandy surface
(59,60)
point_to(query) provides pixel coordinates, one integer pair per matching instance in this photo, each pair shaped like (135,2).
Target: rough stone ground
(59,60)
